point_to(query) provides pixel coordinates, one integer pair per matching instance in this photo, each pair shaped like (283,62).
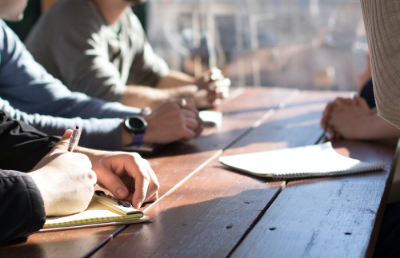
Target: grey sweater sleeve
(147,67)
(22,210)
(382,23)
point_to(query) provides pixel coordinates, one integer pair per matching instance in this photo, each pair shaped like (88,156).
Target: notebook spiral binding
(355,170)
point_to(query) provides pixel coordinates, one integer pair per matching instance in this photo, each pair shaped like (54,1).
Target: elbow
(389,112)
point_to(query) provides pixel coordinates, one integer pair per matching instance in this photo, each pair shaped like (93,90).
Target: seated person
(357,118)
(99,47)
(39,177)
(30,94)
(382,16)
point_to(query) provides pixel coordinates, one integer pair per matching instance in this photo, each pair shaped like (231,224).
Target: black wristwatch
(137,126)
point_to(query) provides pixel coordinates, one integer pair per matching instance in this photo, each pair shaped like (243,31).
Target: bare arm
(376,128)
(205,90)
(175,85)
(368,127)
(175,79)
(352,119)
(142,96)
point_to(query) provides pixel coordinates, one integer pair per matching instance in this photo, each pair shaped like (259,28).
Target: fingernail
(121,193)
(139,204)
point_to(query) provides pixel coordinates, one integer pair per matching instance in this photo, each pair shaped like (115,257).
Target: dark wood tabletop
(207,210)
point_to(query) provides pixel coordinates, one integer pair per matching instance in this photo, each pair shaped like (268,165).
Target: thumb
(62,145)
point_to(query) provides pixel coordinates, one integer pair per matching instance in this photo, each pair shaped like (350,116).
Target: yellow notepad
(100,212)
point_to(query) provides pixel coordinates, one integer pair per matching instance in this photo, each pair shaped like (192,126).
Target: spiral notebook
(103,210)
(310,161)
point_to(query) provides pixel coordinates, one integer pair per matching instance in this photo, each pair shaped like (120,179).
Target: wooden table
(206,210)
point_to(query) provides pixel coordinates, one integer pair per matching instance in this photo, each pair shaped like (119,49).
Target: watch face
(136,124)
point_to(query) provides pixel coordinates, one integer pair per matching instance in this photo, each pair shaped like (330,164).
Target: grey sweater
(75,44)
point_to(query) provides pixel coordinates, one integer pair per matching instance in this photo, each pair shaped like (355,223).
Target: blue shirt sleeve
(27,90)
(104,134)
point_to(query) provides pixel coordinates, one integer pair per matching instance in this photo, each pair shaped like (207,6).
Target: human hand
(65,179)
(126,175)
(349,118)
(213,87)
(328,112)
(170,122)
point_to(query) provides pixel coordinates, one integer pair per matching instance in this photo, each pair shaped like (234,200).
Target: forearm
(376,128)
(175,79)
(382,24)
(141,96)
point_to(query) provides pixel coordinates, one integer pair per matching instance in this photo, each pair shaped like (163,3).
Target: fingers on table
(146,183)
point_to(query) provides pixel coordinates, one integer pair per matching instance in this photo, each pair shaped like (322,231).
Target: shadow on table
(266,109)
(68,243)
(198,224)
(258,178)
(300,126)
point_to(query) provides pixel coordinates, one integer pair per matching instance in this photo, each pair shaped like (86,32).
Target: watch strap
(137,138)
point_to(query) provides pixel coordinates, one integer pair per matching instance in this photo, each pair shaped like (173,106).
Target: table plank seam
(374,233)
(184,180)
(257,219)
(257,123)
(319,140)
(262,119)
(105,241)
(184,241)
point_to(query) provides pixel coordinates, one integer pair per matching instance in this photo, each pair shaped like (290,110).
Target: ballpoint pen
(73,142)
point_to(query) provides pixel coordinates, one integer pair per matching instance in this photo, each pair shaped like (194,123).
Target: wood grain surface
(207,210)
(178,160)
(327,217)
(209,214)
(172,164)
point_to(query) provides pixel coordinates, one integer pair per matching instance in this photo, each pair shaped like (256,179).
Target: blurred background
(305,44)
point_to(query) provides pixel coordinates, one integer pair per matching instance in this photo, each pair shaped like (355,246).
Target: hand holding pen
(65,179)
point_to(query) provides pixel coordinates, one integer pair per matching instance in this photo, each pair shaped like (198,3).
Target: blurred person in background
(99,47)
(28,93)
